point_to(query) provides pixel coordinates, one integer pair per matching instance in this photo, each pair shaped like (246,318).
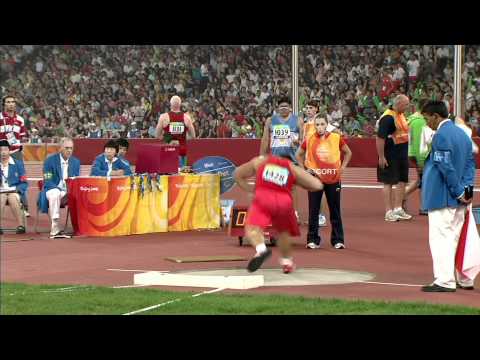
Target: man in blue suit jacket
(108,164)
(12,178)
(122,150)
(56,169)
(449,171)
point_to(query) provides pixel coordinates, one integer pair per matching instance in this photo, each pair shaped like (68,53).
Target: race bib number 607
(275,174)
(176,128)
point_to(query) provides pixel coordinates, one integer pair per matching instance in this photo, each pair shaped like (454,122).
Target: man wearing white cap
(173,127)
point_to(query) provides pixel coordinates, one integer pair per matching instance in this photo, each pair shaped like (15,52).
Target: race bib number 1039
(281,132)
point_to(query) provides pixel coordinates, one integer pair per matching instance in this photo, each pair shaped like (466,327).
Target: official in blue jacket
(122,150)
(12,178)
(449,171)
(108,164)
(56,169)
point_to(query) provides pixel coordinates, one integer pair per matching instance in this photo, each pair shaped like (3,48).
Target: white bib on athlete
(176,128)
(275,174)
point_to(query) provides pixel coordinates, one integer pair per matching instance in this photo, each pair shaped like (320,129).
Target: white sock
(286,261)
(397,209)
(261,248)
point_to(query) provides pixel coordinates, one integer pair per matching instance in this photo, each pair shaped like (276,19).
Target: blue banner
(217,165)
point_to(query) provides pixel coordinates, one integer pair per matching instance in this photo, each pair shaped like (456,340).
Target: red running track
(397,253)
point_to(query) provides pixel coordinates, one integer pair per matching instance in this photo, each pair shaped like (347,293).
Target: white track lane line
(73,288)
(387,283)
(137,270)
(172,301)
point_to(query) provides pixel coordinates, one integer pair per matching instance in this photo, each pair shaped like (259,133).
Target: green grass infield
(21,299)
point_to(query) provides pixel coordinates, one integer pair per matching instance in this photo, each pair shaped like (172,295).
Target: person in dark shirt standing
(392,150)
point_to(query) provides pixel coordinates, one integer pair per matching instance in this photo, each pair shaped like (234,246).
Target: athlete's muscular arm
(189,125)
(265,138)
(305,180)
(162,121)
(246,171)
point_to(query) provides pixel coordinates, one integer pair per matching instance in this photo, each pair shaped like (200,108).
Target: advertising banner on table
(152,205)
(217,165)
(193,202)
(118,206)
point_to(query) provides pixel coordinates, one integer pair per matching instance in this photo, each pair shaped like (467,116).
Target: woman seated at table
(13,185)
(108,164)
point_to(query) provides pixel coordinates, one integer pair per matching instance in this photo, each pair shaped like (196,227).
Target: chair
(22,208)
(63,204)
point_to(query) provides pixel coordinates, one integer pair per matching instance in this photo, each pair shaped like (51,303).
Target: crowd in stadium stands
(100,90)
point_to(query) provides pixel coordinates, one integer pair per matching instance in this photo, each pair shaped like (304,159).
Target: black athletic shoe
(257,261)
(20,230)
(436,288)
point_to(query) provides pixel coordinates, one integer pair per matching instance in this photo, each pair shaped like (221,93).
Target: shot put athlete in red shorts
(272,204)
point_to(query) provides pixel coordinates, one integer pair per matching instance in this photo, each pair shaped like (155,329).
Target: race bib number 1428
(275,174)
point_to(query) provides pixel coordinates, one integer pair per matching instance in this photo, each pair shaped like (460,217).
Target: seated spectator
(85,78)
(35,138)
(122,150)
(108,164)
(133,132)
(12,178)
(94,132)
(57,168)
(151,129)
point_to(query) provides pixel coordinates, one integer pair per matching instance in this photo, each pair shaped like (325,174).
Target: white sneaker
(55,228)
(401,214)
(322,220)
(390,216)
(27,214)
(339,246)
(312,245)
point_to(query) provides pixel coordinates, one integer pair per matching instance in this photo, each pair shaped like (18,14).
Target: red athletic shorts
(275,209)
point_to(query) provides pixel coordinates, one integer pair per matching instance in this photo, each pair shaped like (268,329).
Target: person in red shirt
(12,127)
(272,204)
(387,86)
(224,131)
(173,127)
